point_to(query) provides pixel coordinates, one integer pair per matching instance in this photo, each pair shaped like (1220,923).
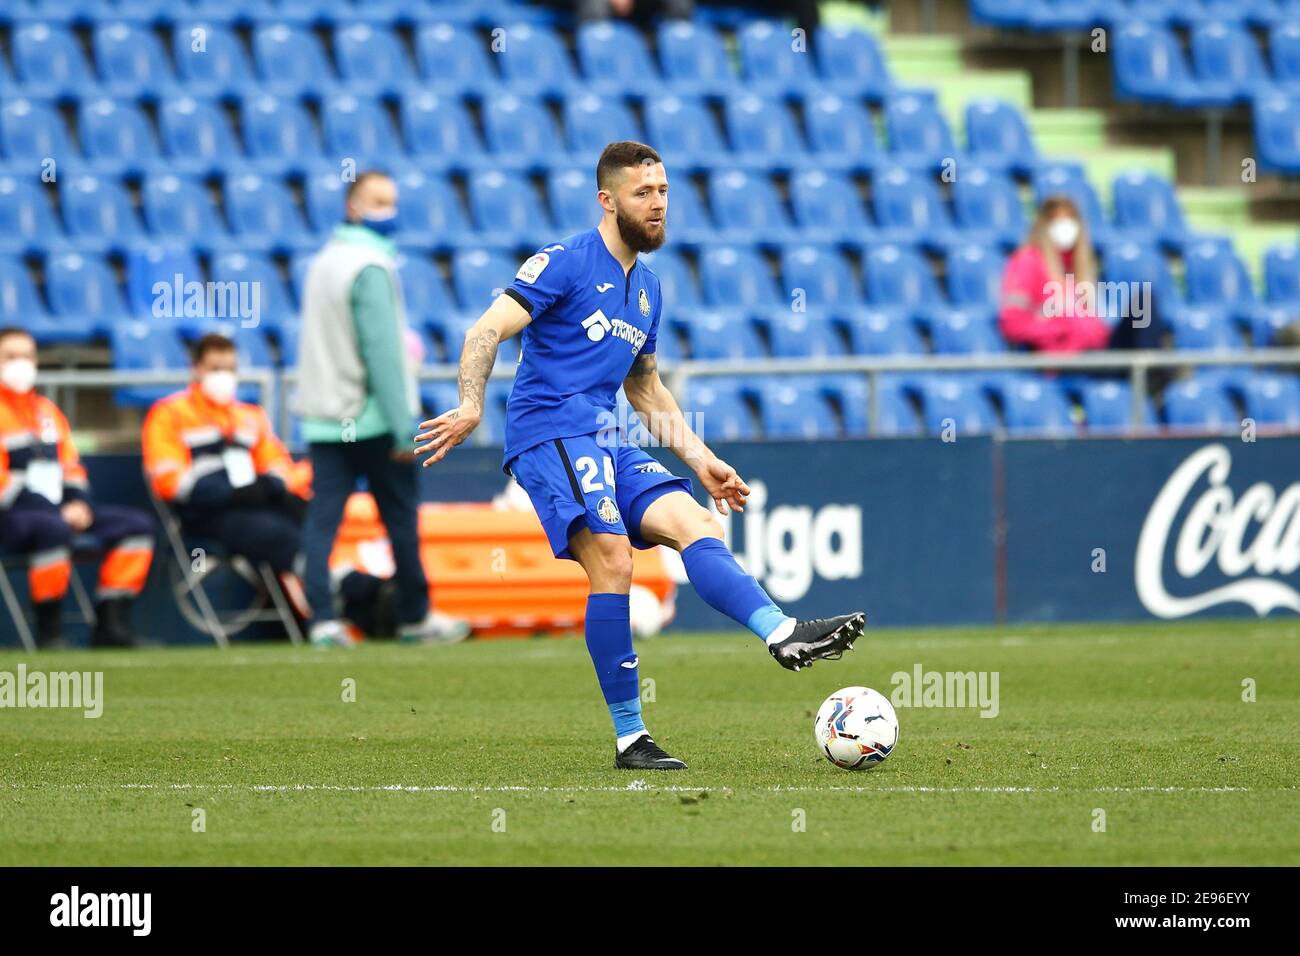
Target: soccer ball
(856,728)
(645,611)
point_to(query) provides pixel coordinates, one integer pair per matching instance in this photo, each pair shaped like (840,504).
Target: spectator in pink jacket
(1050,284)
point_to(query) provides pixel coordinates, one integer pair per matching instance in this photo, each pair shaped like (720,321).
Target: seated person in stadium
(1038,307)
(45,502)
(218,463)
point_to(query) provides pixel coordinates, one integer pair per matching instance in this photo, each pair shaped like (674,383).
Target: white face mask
(1063,232)
(18,375)
(219,386)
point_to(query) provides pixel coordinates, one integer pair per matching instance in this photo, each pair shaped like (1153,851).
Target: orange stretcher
(491,567)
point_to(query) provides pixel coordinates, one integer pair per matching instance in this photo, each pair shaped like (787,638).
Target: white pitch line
(635,786)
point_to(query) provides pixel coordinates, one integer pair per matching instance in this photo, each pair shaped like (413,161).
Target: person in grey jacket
(357,395)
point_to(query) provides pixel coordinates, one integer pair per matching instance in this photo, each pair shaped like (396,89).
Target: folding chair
(187,575)
(83,548)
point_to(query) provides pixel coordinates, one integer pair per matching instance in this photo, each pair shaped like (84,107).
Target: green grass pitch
(500,752)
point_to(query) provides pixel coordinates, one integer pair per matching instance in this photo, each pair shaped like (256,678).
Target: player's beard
(637,236)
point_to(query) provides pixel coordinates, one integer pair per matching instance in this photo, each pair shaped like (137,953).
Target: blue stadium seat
(27,221)
(1203,327)
(534,62)
(1036,406)
(1199,404)
(1067,179)
(1016,13)
(948,401)
(48,62)
(737,277)
(592,121)
(965,332)
(431,214)
(1284,55)
(819,278)
(196,136)
(263,215)
(689,222)
(83,294)
(479,275)
(998,137)
(290,61)
(987,207)
(841,134)
(852,395)
(439,134)
(614,60)
(451,328)
(151,263)
(676,284)
(722,336)
(748,204)
(794,408)
(425,293)
(827,208)
(179,210)
(771,63)
(572,200)
(899,277)
(851,62)
(498,202)
(359,128)
(882,332)
(762,131)
(1214,275)
(32,129)
(693,59)
(279,133)
(452,61)
(1054,15)
(522,129)
(275,307)
(1273,399)
(131,61)
(909,209)
(803,335)
(1277,133)
(721,410)
(116,136)
(210,60)
(1132,265)
(1146,208)
(1282,273)
(1227,63)
(97,212)
(1108,406)
(684,132)
(1149,65)
(974,275)
(144,346)
(1267,320)
(21,305)
(917,132)
(371,59)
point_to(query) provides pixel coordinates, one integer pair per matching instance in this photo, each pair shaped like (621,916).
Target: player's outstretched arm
(663,418)
(504,318)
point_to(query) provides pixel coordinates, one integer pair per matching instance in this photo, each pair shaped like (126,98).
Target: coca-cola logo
(1257,533)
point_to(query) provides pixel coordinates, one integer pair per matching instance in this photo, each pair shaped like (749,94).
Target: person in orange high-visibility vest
(217,461)
(45,502)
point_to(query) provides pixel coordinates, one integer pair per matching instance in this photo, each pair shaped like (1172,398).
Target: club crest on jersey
(532,267)
(644,301)
(607,510)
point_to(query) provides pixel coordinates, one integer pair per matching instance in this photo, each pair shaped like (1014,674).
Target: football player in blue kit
(589,312)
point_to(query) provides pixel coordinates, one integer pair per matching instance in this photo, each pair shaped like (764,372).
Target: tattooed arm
(504,318)
(663,419)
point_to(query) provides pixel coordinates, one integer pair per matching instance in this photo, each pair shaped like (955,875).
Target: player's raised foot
(644,754)
(823,638)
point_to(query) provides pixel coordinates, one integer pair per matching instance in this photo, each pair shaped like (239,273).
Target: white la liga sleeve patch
(533,267)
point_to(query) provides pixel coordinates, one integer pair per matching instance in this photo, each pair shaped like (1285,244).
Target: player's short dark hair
(619,156)
(212,342)
(362,178)
(9,330)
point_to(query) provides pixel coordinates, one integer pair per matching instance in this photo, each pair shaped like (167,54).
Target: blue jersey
(589,323)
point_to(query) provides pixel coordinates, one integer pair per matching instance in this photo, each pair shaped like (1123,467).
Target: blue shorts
(579,482)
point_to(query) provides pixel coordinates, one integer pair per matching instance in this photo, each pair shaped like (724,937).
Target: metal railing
(274,385)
